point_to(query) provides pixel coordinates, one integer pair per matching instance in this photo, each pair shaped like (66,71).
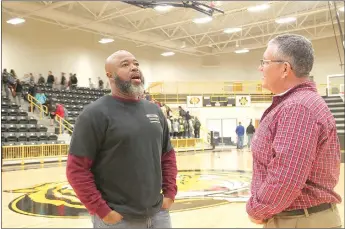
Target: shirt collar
(307,85)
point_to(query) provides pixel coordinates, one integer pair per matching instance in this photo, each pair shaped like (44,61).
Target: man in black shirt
(63,80)
(100,83)
(250,131)
(50,79)
(121,164)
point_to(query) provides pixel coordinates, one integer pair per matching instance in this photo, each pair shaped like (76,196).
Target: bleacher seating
(73,100)
(18,128)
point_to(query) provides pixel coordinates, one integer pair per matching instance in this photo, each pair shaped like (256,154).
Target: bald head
(124,74)
(114,59)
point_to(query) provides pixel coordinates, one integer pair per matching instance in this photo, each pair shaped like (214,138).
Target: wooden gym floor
(213,188)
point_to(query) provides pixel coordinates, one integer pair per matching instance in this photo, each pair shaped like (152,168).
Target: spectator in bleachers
(63,81)
(169,126)
(197,126)
(175,127)
(26,78)
(60,111)
(181,128)
(41,79)
(31,78)
(4,81)
(73,82)
(13,73)
(41,98)
(100,83)
(51,111)
(191,128)
(147,96)
(12,77)
(182,112)
(50,79)
(164,110)
(91,83)
(240,135)
(186,128)
(19,92)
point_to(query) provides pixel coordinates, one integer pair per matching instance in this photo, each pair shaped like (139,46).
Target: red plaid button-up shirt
(296,155)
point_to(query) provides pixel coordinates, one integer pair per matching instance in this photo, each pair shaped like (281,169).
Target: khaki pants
(329,218)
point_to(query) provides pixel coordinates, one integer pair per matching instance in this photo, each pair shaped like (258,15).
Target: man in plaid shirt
(296,151)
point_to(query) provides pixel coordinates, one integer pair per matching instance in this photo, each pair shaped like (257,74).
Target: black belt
(311,210)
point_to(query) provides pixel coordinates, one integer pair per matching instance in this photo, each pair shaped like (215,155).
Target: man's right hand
(112,218)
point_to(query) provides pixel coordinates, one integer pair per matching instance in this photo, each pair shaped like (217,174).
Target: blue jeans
(240,142)
(250,136)
(159,220)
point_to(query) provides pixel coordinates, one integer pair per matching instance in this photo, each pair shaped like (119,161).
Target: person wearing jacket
(240,136)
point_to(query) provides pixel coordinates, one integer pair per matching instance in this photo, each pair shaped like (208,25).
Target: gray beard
(126,87)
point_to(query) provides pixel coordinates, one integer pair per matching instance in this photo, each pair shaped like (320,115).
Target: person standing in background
(250,131)
(100,83)
(50,79)
(41,79)
(197,126)
(4,81)
(19,92)
(240,135)
(63,81)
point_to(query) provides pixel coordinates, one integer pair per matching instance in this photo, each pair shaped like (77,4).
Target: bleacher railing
(177,92)
(40,153)
(35,103)
(63,123)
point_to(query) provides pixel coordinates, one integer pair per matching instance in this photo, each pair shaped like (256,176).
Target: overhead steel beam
(121,38)
(243,26)
(108,17)
(286,31)
(104,7)
(87,9)
(47,7)
(191,19)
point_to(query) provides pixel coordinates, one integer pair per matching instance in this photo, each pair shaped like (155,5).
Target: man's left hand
(257,221)
(167,202)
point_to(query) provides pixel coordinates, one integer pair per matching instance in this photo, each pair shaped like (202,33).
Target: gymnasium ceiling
(175,31)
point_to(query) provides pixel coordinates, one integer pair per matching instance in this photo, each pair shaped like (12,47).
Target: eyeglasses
(262,62)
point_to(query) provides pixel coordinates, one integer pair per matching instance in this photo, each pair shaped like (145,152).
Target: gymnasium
(200,60)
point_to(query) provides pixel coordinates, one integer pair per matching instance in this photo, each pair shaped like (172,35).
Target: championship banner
(194,101)
(243,101)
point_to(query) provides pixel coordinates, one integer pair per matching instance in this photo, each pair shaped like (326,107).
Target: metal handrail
(41,107)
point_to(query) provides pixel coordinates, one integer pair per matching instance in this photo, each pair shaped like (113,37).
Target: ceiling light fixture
(168,54)
(258,8)
(16,21)
(106,40)
(202,20)
(163,8)
(241,51)
(232,30)
(285,20)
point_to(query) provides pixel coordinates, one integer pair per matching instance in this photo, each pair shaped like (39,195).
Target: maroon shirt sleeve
(82,181)
(169,173)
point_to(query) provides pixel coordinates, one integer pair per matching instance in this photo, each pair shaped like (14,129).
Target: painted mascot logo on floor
(196,190)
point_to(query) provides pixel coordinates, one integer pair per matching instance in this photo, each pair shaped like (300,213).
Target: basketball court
(202,56)
(213,188)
